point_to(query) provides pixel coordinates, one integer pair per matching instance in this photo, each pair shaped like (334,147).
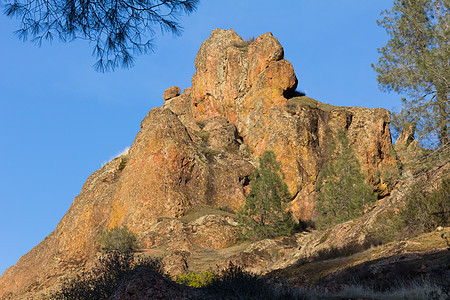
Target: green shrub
(386,228)
(196,280)
(424,211)
(264,214)
(344,193)
(118,239)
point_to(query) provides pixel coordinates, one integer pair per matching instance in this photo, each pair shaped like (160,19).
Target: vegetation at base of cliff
(234,283)
(264,214)
(229,283)
(196,279)
(417,160)
(344,193)
(118,239)
(103,279)
(423,212)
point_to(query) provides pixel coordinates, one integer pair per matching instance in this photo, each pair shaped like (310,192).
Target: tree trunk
(442,103)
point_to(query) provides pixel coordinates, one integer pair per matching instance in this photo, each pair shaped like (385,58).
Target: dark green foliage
(118,30)
(344,193)
(424,211)
(264,214)
(101,281)
(415,61)
(118,239)
(196,279)
(386,228)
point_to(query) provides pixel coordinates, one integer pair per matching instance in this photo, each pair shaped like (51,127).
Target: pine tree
(118,30)
(343,190)
(416,61)
(264,214)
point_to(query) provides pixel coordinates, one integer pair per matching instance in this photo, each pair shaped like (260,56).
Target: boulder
(171,92)
(175,262)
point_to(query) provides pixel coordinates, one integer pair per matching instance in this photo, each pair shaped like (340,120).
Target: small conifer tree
(264,214)
(343,190)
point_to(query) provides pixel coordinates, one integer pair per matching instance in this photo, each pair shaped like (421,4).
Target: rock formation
(171,92)
(252,86)
(199,149)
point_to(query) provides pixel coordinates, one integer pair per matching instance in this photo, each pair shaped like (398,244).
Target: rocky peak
(198,151)
(228,68)
(251,85)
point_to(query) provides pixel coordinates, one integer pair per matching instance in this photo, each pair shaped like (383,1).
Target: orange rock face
(199,150)
(228,68)
(251,84)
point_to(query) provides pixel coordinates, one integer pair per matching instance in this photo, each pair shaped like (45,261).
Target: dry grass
(201,211)
(318,267)
(307,102)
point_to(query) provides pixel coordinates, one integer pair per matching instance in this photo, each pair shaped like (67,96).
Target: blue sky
(60,120)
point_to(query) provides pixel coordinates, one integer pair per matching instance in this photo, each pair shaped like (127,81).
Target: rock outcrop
(171,92)
(199,150)
(252,86)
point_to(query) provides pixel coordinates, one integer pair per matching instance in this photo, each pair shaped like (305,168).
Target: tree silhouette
(118,29)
